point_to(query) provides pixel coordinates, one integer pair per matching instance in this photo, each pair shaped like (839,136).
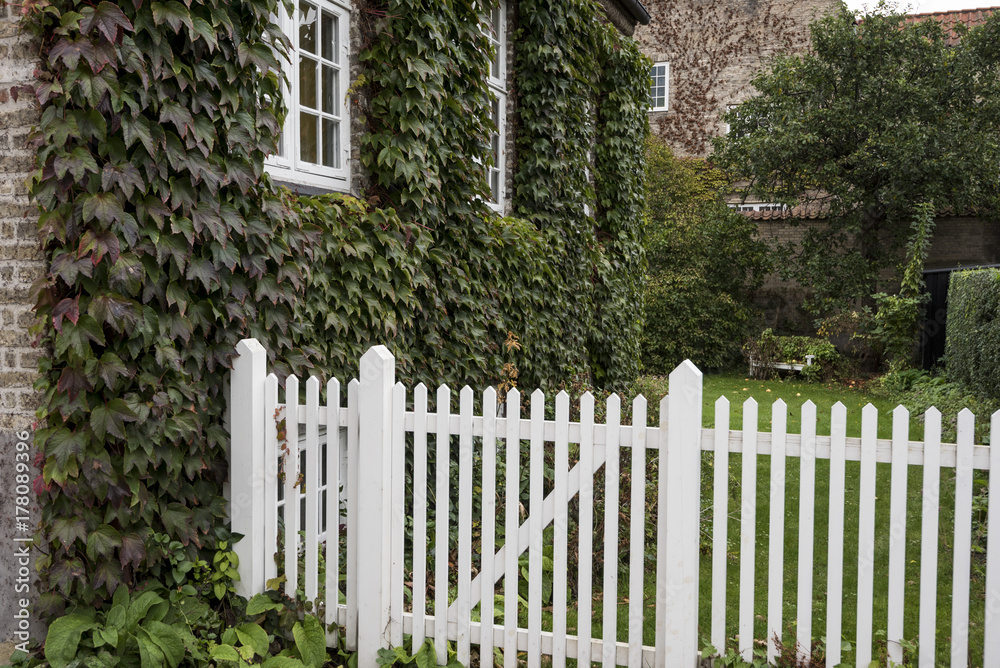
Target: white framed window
(314,147)
(759,206)
(497,80)
(660,86)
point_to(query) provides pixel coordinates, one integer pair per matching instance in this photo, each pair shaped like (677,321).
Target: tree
(705,262)
(881,116)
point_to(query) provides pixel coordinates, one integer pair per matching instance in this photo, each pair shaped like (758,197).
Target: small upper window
(660,87)
(314,148)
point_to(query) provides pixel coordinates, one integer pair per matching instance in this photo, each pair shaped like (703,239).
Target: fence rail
(383,461)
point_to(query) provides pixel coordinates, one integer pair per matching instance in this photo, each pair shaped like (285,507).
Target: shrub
(705,262)
(972,345)
(769,349)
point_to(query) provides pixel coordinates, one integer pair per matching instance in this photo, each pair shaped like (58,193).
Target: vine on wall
(714,49)
(168,244)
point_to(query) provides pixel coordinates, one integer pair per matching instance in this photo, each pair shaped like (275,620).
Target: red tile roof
(970,17)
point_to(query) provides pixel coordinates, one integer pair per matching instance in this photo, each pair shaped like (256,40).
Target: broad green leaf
(310,641)
(224,653)
(253,636)
(260,603)
(168,640)
(63,638)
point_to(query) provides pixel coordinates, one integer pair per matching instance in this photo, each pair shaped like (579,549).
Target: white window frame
(498,86)
(759,206)
(286,165)
(666,86)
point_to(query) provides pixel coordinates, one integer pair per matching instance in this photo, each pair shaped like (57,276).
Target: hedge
(972,344)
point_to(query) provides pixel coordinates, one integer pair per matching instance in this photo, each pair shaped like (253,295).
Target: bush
(705,262)
(918,390)
(973,335)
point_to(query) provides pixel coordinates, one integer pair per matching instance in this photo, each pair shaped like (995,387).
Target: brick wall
(957,241)
(714,50)
(21,263)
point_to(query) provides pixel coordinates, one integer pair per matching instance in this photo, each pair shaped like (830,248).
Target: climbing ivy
(167,243)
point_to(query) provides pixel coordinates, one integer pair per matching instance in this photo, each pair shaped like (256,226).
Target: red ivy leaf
(107,18)
(67,308)
(133,550)
(73,381)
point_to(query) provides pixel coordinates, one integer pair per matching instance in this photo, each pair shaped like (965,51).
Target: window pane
(331,143)
(329,36)
(307,137)
(495,184)
(307,27)
(495,39)
(331,91)
(307,82)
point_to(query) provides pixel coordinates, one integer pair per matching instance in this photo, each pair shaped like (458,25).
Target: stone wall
(21,263)
(714,50)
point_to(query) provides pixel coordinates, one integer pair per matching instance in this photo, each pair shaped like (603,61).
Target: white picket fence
(376,439)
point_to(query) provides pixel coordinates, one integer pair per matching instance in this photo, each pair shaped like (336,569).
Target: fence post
(376,377)
(246,463)
(683,508)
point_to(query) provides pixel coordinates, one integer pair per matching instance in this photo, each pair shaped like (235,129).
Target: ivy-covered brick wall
(21,263)
(165,242)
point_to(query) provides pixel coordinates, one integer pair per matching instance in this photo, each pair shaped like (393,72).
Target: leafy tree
(881,116)
(705,262)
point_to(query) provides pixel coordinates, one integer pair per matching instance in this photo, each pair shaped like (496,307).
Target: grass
(738,389)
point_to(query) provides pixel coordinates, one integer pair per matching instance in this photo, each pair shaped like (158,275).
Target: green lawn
(738,388)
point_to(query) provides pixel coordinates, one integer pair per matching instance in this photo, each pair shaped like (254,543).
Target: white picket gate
(365,447)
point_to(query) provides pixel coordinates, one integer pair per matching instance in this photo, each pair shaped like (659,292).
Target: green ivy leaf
(105,207)
(102,542)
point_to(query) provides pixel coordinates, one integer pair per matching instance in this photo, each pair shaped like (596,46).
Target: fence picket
(585,569)
(291,472)
(512,478)
(311,490)
(397,514)
(536,542)
(663,587)
(807,518)
(612,475)
(748,528)
(488,505)
(271,476)
(442,491)
(962,564)
(835,537)
(866,535)
(560,552)
(465,446)
(897,533)
(776,527)
(419,606)
(720,523)
(929,538)
(637,532)
(353,390)
(332,583)
(991,652)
